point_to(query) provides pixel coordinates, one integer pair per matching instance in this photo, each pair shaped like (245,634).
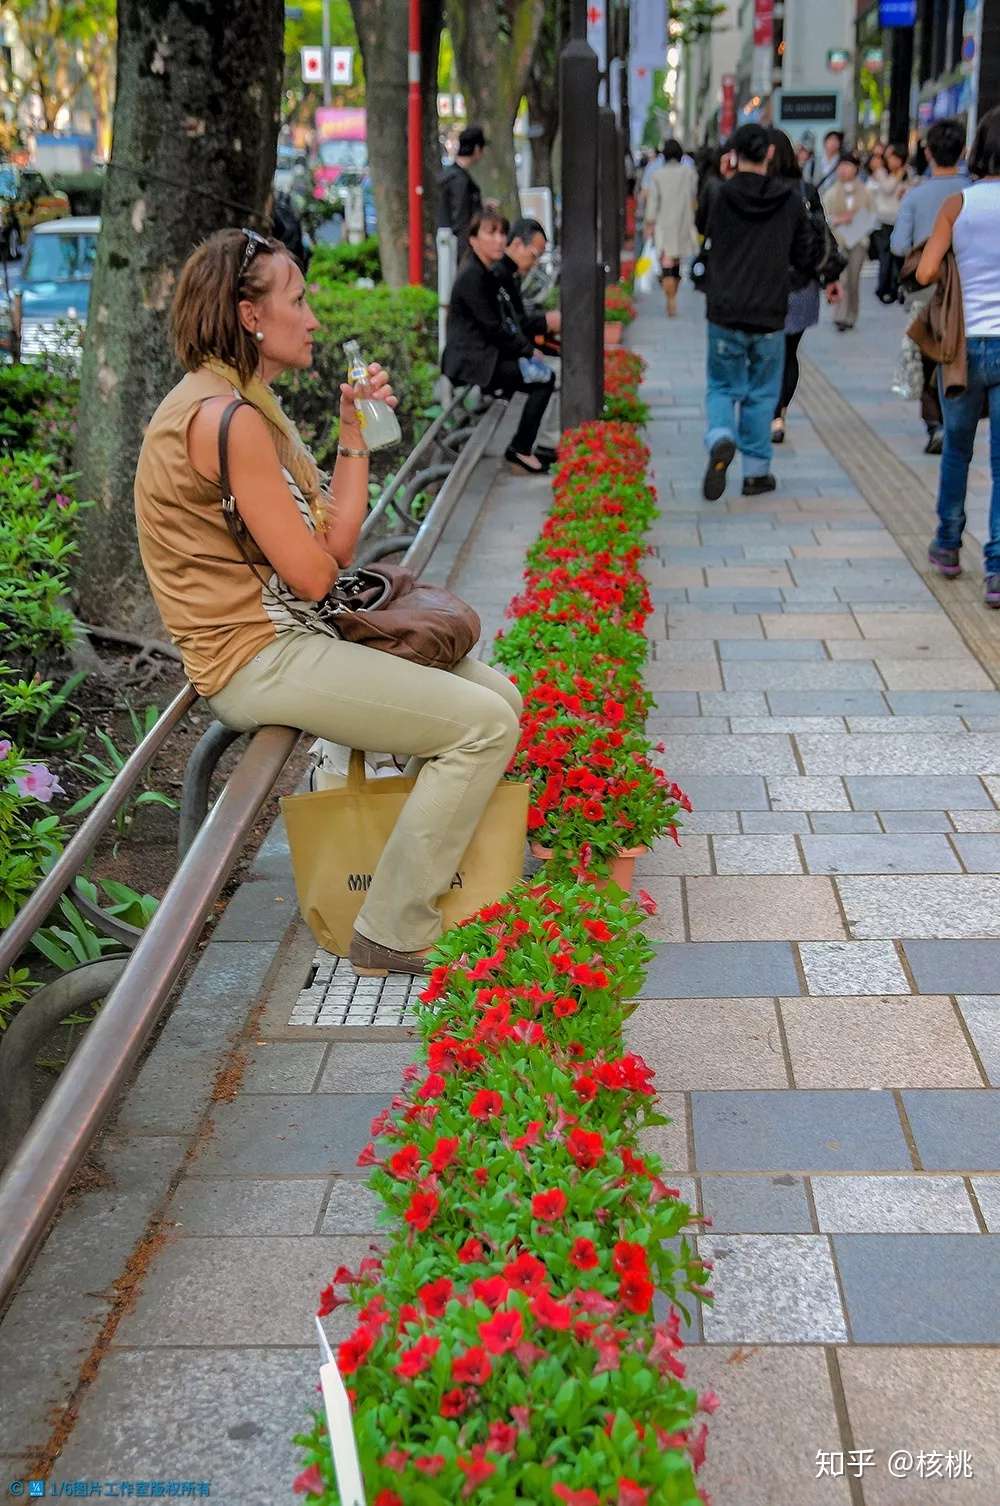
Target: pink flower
(5,747)
(646,902)
(310,1482)
(37,783)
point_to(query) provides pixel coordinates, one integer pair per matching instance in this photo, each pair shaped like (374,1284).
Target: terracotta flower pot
(622,865)
(612,332)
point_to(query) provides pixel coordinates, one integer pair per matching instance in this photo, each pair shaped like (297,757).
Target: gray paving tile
(772,1288)
(675,703)
(756,854)
(852,967)
(260,910)
(721,792)
(775,726)
(884,1042)
(709,1043)
(920,1398)
(983,723)
(668,1141)
(941,905)
(765,1204)
(706,756)
(721,970)
(283,1067)
(275,1135)
(975,820)
(354,1208)
(775,678)
(897,726)
(954,967)
(733,703)
(955,1129)
(828,823)
(826,702)
(663,727)
(782,822)
(788,907)
(798,1130)
(799,793)
(667,859)
(981,1013)
(288,1274)
(945,702)
(980,852)
(235,1410)
(915,821)
(880,854)
(765,597)
(226,1206)
(366,1067)
(914,1288)
(44,1340)
(708,822)
(893,1205)
(987,1190)
(745,648)
(884,792)
(971,753)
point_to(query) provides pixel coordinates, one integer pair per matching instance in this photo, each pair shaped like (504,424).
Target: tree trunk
(195,126)
(431,22)
(542,92)
(382,33)
(494,43)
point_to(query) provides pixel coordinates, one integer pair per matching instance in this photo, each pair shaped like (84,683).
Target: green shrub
(396,326)
(345,263)
(37,410)
(37,545)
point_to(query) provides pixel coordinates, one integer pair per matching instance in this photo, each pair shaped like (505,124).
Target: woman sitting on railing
(240,318)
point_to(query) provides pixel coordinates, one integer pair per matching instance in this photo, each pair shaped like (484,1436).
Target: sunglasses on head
(254,244)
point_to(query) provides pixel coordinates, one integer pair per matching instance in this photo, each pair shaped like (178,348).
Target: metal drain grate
(334,996)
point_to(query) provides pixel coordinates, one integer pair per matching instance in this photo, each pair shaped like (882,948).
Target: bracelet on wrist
(355,454)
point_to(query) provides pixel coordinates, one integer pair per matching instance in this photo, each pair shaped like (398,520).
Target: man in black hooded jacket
(758,230)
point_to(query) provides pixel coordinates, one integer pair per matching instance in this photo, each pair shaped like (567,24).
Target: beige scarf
(292,452)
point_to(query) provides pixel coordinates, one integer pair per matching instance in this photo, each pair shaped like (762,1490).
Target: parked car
(48,310)
(27,199)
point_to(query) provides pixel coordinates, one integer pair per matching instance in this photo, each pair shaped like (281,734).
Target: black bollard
(582,276)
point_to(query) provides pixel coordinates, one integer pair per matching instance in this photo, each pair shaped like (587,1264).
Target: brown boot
(370,960)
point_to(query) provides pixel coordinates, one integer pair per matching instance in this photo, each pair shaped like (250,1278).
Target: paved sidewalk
(825,1004)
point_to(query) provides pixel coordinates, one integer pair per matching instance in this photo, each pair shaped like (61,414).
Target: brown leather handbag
(378,606)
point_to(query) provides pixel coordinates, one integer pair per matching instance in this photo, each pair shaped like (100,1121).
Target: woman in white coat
(669,213)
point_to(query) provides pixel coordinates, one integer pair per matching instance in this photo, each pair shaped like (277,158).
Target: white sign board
(346,1465)
(341,65)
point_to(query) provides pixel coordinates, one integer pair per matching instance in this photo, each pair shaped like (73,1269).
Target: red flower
(598,930)
(486,1104)
(435,1296)
(432,1087)
(550,1205)
(628,1259)
(430,1464)
(586,1088)
(310,1482)
(405,1163)
(646,902)
(415,1360)
(529,1137)
(473,1368)
(551,1314)
(454,1403)
(576,1497)
(477,1470)
(636,1292)
(353,1350)
(630,1493)
(471,1251)
(593,810)
(584,1255)
(421,1210)
(490,1289)
(501,1438)
(443,1154)
(526,1274)
(502,1332)
(388,1498)
(585,1146)
(565,1006)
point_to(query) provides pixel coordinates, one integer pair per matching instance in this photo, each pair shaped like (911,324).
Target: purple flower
(5,747)
(38,783)
(62,500)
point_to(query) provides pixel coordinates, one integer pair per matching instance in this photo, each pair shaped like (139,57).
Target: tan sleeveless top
(211,602)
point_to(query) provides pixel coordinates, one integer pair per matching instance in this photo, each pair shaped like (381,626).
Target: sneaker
(945,561)
(991,596)
(935,442)
(719,459)
(756,486)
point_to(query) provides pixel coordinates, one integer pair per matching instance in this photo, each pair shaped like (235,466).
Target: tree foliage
(67,44)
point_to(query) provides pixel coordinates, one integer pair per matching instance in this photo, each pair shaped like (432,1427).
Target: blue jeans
(743,369)
(961,417)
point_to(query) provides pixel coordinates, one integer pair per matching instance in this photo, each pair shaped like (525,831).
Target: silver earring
(259,334)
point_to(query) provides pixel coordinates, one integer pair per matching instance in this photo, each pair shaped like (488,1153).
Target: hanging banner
(640,96)
(727,106)
(763,23)
(597,30)
(649,31)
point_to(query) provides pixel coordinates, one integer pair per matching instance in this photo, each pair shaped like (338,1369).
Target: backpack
(830,260)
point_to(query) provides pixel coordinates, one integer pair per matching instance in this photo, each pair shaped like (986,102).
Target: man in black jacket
(526,241)
(758,229)
(460,199)
(486,347)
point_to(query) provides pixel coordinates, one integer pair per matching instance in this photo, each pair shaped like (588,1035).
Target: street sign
(809,106)
(341,65)
(897,12)
(837,59)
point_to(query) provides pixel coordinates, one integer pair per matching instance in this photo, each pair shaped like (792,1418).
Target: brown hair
(205,319)
(487,219)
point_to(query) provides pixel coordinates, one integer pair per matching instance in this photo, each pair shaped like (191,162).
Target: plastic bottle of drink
(378,423)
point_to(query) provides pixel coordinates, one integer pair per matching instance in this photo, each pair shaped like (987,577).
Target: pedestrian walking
(887,186)
(669,211)
(804,297)
(850,214)
(943,148)
(759,230)
(460,199)
(968,226)
(825,168)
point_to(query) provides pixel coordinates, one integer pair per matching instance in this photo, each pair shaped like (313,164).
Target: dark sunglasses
(254,244)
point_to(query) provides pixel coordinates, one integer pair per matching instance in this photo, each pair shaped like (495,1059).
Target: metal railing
(41,1167)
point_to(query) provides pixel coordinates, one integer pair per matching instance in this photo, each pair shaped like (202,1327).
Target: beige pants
(462,722)
(851,282)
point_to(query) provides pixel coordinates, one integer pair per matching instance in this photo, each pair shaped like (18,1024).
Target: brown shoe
(370,960)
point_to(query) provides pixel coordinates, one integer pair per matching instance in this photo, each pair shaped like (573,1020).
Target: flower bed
(506,1347)
(618,305)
